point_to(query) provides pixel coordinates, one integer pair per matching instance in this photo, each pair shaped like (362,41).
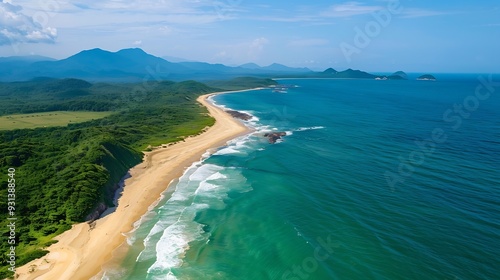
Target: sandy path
(81,252)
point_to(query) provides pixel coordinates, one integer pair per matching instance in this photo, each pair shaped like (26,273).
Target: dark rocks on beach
(94,215)
(274,136)
(239,115)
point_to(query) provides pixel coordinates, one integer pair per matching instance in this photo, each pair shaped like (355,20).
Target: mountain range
(135,65)
(126,65)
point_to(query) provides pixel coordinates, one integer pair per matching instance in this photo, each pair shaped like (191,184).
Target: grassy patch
(48,119)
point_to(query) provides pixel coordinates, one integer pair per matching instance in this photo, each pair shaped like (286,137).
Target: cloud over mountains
(16,27)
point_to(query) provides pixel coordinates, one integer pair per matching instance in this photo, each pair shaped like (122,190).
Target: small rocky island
(399,75)
(426,77)
(274,136)
(239,115)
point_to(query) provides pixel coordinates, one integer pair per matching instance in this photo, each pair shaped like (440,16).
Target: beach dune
(82,250)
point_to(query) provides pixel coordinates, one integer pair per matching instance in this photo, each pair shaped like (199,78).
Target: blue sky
(379,35)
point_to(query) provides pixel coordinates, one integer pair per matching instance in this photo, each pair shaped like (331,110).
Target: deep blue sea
(374,180)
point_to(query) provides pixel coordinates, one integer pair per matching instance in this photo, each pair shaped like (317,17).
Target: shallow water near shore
(360,188)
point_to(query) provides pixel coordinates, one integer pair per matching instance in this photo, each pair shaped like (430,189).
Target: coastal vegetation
(67,173)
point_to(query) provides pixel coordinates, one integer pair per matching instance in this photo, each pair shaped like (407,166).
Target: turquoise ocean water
(374,180)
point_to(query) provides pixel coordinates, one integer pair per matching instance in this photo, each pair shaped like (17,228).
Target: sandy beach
(81,251)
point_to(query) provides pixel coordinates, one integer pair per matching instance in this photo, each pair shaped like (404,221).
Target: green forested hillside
(64,173)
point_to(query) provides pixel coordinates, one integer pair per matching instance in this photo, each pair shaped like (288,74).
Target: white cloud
(137,43)
(166,30)
(221,54)
(256,47)
(175,15)
(349,9)
(16,27)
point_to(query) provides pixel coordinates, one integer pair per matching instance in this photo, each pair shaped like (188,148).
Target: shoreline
(81,251)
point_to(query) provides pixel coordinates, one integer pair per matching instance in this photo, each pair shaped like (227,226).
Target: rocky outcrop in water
(274,136)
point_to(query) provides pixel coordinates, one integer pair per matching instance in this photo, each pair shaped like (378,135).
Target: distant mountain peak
(250,66)
(330,71)
(134,51)
(276,64)
(125,52)
(90,53)
(346,74)
(401,74)
(94,50)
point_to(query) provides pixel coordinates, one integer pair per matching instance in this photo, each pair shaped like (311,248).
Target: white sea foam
(131,236)
(171,214)
(205,155)
(240,141)
(254,120)
(178,196)
(115,273)
(201,187)
(216,176)
(178,205)
(204,171)
(264,128)
(174,241)
(172,245)
(235,146)
(205,187)
(211,100)
(227,151)
(310,128)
